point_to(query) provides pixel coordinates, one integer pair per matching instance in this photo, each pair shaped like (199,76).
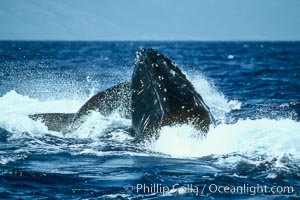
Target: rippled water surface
(252,89)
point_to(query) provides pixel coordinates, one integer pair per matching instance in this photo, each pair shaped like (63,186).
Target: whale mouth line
(167,98)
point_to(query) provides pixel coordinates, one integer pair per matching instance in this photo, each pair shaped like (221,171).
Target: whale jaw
(162,95)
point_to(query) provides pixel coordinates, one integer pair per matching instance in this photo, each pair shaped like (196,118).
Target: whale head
(162,95)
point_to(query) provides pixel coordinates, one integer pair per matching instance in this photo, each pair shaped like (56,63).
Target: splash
(12,102)
(96,125)
(215,100)
(262,136)
(15,109)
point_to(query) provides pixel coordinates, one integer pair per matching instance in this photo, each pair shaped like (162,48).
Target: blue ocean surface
(252,89)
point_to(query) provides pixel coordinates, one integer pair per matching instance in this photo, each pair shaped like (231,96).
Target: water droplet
(172,73)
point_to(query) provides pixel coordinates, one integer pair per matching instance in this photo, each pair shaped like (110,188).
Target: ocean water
(252,89)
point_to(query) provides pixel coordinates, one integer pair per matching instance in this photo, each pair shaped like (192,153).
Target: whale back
(113,99)
(59,122)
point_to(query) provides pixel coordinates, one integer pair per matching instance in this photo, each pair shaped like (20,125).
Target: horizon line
(117,40)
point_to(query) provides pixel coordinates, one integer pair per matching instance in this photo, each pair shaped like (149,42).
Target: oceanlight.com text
(206,189)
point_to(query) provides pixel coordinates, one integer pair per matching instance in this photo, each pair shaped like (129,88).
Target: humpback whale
(158,94)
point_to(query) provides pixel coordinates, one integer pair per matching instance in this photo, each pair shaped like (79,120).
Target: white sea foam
(230,57)
(261,136)
(14,110)
(96,125)
(6,159)
(12,102)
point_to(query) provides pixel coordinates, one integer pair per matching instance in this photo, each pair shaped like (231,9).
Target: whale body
(158,95)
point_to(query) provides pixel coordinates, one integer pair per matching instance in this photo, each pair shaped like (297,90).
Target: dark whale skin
(162,95)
